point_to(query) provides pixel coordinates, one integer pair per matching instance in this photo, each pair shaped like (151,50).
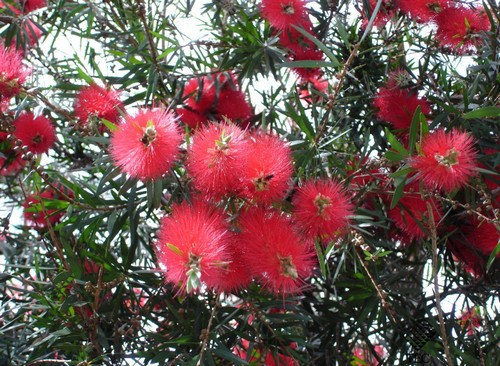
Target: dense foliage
(236,182)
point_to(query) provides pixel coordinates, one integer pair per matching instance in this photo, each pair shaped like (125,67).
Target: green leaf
(485,112)
(414,129)
(110,125)
(320,45)
(228,355)
(307,64)
(398,193)
(395,144)
(493,256)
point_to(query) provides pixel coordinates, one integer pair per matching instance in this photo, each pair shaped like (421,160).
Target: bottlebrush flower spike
(146,145)
(10,161)
(386,12)
(94,102)
(192,246)
(28,6)
(482,235)
(308,73)
(199,94)
(36,210)
(396,105)
(411,215)
(447,160)
(274,252)
(267,169)
(38,133)
(12,72)
(282,14)
(471,320)
(321,208)
(215,159)
(232,104)
(234,275)
(459,27)
(422,10)
(213,98)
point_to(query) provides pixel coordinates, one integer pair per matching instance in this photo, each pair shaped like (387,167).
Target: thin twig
(358,240)
(338,87)
(442,328)
(206,332)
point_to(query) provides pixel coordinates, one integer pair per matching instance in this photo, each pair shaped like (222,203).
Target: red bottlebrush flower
(213,98)
(200,94)
(397,106)
(294,40)
(192,246)
(470,320)
(258,354)
(10,161)
(232,104)
(364,357)
(483,236)
(31,30)
(37,212)
(146,145)
(411,215)
(311,54)
(310,90)
(268,168)
(422,10)
(464,252)
(235,275)
(12,72)
(322,208)
(215,159)
(36,133)
(96,102)
(282,14)
(274,252)
(28,6)
(459,27)
(447,160)
(386,12)
(191,118)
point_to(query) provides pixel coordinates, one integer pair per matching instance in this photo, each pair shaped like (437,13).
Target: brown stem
(338,87)
(358,240)
(442,328)
(206,332)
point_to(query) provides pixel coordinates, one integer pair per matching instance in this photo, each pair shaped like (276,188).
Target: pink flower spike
(459,27)
(12,72)
(422,10)
(36,133)
(268,168)
(447,160)
(32,5)
(274,252)
(322,208)
(282,14)
(192,246)
(146,145)
(95,102)
(215,159)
